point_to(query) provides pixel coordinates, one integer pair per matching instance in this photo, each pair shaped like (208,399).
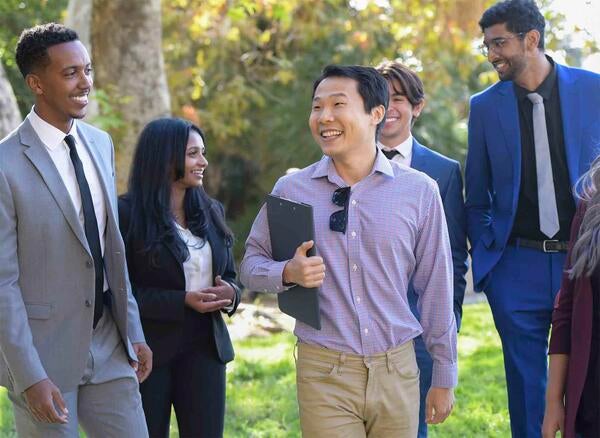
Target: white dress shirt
(54,141)
(404,149)
(198,267)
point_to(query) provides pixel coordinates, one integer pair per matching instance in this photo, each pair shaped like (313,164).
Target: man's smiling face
(338,120)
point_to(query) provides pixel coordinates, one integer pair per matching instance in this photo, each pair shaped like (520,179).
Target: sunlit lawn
(261,393)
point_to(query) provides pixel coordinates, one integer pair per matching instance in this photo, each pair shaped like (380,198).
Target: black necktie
(90,226)
(390,154)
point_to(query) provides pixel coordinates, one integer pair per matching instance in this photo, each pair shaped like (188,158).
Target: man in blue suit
(531,136)
(407,99)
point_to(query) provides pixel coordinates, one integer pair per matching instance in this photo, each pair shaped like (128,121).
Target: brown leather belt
(541,245)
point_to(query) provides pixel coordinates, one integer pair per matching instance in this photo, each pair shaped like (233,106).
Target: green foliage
(16,15)
(481,402)
(109,116)
(244,70)
(6,418)
(261,392)
(261,387)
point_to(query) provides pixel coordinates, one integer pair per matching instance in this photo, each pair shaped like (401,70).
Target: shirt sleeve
(432,281)
(258,271)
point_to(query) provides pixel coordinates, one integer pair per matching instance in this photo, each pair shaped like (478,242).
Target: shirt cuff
(444,376)
(231,306)
(275,278)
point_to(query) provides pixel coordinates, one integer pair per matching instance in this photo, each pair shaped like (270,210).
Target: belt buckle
(546,249)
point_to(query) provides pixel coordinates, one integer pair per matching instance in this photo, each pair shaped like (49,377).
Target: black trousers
(193,382)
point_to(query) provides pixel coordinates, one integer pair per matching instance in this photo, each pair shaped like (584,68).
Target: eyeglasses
(497,44)
(339,219)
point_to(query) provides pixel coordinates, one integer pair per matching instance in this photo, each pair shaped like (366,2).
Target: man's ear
(34,83)
(377,114)
(532,39)
(416,110)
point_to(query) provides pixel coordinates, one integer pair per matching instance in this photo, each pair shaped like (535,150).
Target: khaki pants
(351,396)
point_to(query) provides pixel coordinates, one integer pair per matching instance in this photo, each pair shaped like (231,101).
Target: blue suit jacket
(447,174)
(493,168)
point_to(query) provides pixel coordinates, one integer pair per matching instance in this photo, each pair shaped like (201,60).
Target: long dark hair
(159,159)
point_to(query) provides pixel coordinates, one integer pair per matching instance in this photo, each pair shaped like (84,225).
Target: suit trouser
(106,403)
(193,382)
(351,396)
(425,363)
(521,294)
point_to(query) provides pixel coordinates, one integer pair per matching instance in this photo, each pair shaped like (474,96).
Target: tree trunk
(79,18)
(126,38)
(10,117)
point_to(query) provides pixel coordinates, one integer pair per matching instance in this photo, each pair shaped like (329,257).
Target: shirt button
(358,299)
(366,331)
(354,267)
(354,202)
(88,303)
(353,234)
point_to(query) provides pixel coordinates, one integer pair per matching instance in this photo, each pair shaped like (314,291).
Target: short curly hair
(32,48)
(520,16)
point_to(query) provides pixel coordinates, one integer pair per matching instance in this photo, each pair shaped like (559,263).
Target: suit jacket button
(88,303)
(89,263)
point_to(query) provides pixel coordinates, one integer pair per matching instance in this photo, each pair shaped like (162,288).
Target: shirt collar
(545,88)
(404,148)
(325,167)
(51,136)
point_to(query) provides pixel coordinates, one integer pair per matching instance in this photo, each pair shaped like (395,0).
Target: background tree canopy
(243,70)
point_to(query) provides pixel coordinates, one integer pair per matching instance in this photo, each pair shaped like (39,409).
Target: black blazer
(160,293)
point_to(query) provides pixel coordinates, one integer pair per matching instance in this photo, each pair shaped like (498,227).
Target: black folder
(290,224)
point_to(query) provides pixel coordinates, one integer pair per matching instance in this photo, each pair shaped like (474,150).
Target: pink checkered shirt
(396,232)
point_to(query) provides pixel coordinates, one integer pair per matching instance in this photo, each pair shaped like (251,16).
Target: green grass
(261,392)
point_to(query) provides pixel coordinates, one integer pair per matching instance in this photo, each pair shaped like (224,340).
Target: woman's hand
(554,419)
(222,290)
(204,302)
(212,298)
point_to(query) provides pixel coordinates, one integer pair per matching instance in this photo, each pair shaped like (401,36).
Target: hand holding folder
(304,269)
(290,224)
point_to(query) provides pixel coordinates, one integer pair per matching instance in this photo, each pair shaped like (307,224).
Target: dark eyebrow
(76,67)
(494,39)
(316,98)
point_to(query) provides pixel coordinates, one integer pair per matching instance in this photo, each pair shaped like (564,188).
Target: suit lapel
(215,249)
(100,165)
(570,108)
(508,115)
(418,161)
(39,157)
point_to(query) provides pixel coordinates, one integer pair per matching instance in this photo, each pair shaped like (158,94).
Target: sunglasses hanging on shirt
(339,219)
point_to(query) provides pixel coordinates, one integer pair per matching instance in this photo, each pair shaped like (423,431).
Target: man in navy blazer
(407,99)
(531,136)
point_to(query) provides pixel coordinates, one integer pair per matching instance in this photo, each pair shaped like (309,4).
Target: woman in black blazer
(174,233)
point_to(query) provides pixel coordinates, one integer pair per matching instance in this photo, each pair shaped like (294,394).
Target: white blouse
(198,267)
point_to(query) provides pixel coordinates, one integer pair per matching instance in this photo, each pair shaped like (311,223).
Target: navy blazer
(446,172)
(493,167)
(160,292)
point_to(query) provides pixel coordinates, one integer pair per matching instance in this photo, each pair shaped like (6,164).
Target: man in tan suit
(70,334)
